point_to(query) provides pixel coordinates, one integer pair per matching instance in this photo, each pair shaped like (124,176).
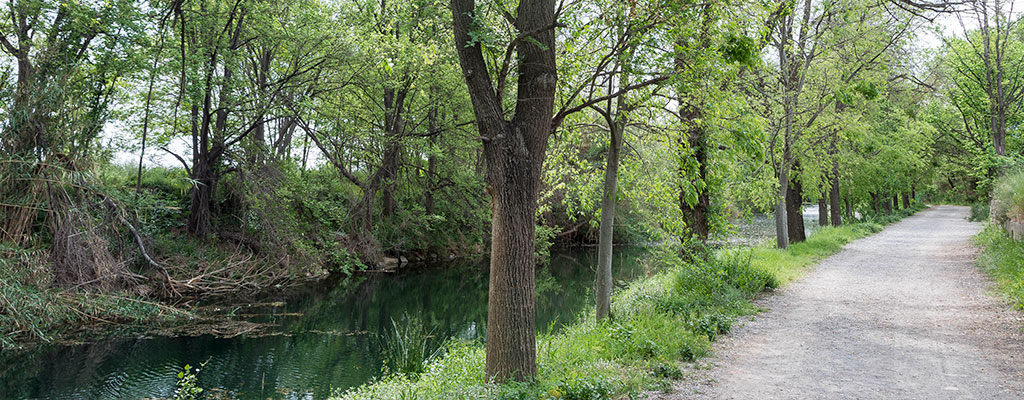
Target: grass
(408,347)
(658,322)
(1003,260)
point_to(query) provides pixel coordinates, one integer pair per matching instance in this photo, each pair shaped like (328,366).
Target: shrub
(1008,196)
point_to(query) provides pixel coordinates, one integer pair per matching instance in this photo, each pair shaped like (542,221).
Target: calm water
(760,228)
(321,340)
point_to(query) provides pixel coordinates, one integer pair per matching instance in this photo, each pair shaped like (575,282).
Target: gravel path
(903,314)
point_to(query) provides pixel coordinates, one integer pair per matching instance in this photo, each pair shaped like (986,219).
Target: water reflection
(323,338)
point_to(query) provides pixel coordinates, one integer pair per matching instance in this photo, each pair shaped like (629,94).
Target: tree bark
(823,210)
(604,251)
(696,215)
(794,214)
(781,226)
(837,217)
(695,144)
(906,200)
(514,152)
(394,124)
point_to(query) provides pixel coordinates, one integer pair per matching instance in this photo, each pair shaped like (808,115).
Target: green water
(322,339)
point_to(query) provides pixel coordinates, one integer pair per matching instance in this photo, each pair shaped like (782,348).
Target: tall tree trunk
(781,226)
(696,215)
(833,197)
(823,210)
(514,153)
(394,106)
(695,144)
(876,203)
(895,202)
(202,171)
(604,250)
(794,214)
(906,200)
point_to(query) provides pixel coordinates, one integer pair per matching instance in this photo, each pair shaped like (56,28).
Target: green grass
(658,322)
(1003,259)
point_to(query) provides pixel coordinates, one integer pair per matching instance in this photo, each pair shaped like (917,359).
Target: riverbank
(32,311)
(659,322)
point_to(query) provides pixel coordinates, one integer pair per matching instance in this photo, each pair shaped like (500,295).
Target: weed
(409,346)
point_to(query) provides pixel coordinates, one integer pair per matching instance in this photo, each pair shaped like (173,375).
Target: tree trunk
(876,203)
(906,200)
(394,106)
(604,250)
(691,113)
(837,217)
(794,214)
(696,215)
(781,226)
(895,201)
(514,152)
(823,210)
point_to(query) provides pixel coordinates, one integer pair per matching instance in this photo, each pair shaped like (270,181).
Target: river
(321,339)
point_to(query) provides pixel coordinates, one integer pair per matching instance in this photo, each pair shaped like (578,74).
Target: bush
(979,211)
(31,310)
(1008,196)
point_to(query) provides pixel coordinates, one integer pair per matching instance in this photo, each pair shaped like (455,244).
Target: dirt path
(904,314)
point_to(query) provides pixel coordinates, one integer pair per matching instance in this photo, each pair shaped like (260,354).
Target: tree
(514,150)
(989,60)
(805,36)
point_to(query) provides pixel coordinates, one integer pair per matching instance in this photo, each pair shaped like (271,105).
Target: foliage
(980,211)
(188,385)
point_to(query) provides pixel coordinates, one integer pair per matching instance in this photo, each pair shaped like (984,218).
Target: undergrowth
(658,322)
(1003,259)
(31,310)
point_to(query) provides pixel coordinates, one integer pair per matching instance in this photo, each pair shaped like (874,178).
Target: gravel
(903,314)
